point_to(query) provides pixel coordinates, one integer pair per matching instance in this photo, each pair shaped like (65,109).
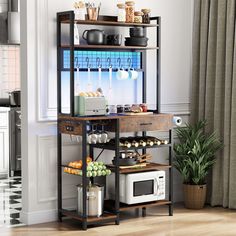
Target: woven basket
(194,196)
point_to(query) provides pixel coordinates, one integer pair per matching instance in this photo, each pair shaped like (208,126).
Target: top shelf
(104,21)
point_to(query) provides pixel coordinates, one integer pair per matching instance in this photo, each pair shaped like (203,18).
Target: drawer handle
(146,123)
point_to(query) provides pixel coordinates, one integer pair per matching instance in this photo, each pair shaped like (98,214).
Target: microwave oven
(138,187)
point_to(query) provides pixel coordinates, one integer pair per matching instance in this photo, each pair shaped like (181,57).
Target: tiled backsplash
(9,69)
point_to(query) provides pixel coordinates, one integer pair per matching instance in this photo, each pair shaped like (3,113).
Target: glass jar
(121,15)
(138,17)
(129,9)
(146,16)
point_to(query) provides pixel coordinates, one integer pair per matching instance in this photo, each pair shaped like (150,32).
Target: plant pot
(194,196)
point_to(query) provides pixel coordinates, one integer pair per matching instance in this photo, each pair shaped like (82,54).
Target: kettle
(94,36)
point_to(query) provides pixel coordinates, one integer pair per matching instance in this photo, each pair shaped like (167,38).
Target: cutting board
(130,167)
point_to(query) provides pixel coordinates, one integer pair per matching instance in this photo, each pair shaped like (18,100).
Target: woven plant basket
(194,196)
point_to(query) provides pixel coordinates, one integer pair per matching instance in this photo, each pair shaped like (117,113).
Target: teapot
(94,36)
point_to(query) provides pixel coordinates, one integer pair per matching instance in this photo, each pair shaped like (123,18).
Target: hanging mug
(133,74)
(122,74)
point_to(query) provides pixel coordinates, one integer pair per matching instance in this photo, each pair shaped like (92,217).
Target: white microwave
(138,187)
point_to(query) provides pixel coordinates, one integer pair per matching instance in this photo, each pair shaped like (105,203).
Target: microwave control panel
(161,186)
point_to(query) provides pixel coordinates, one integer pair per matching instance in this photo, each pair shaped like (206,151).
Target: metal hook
(77,62)
(87,60)
(109,61)
(129,61)
(119,62)
(98,62)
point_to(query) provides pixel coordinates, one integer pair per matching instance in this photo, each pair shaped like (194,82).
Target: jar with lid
(138,17)
(146,16)
(121,14)
(129,8)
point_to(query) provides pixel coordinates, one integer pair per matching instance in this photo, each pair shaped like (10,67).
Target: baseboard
(38,217)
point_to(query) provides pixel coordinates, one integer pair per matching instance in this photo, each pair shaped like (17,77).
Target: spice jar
(121,15)
(146,16)
(129,9)
(138,17)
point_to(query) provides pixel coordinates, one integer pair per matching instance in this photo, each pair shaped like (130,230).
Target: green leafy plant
(195,152)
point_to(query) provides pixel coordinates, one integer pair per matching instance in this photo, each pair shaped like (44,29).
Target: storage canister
(138,17)
(146,16)
(121,15)
(94,199)
(129,8)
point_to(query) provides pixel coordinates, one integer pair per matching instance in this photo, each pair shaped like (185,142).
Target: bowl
(136,41)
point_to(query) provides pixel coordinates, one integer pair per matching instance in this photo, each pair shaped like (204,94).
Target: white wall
(38,73)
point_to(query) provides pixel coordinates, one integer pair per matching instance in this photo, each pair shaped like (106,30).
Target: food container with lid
(146,16)
(138,17)
(129,9)
(121,15)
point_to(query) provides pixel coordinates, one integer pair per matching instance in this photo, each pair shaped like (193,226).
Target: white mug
(133,74)
(122,74)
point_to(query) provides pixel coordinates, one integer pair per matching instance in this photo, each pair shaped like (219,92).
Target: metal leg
(59,175)
(84,225)
(171,209)
(84,177)
(117,173)
(170,174)
(144,212)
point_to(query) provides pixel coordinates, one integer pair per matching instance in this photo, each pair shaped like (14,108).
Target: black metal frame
(85,123)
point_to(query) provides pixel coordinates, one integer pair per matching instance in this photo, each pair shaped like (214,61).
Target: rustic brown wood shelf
(73,214)
(109,204)
(106,21)
(149,167)
(108,47)
(153,122)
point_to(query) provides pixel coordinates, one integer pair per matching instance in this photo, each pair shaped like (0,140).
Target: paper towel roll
(177,120)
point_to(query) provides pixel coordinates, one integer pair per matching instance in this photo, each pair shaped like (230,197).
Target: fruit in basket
(94,168)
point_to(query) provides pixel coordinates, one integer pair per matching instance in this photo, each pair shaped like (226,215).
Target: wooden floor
(209,222)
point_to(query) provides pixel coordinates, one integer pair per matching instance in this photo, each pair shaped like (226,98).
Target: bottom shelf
(73,214)
(109,204)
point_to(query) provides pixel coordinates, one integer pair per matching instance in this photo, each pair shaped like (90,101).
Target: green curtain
(214,88)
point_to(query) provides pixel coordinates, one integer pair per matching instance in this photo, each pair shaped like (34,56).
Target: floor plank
(209,221)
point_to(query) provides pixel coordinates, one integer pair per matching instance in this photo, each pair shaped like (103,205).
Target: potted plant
(194,157)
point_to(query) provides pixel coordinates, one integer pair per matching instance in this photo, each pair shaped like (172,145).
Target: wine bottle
(155,140)
(142,143)
(127,144)
(150,142)
(135,143)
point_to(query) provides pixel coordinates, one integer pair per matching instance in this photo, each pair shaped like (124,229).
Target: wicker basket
(194,196)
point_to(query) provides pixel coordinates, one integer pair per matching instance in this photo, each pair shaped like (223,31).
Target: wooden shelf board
(73,214)
(148,167)
(67,117)
(110,204)
(110,21)
(109,47)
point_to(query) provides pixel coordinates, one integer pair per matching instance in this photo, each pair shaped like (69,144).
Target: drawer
(161,122)
(69,127)
(3,119)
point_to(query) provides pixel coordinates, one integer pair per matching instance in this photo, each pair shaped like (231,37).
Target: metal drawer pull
(146,123)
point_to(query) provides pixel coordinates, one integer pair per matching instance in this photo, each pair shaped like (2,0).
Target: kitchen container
(93,13)
(136,41)
(14,97)
(94,199)
(80,13)
(129,9)
(121,15)
(136,32)
(120,108)
(94,36)
(138,17)
(146,16)
(114,39)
